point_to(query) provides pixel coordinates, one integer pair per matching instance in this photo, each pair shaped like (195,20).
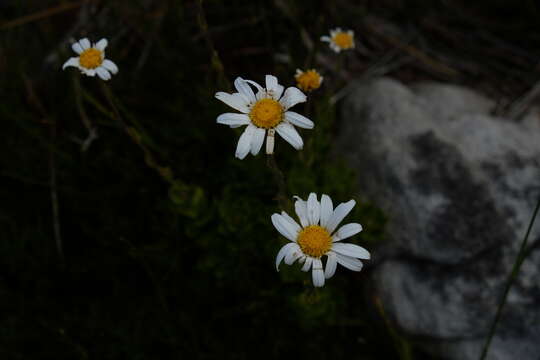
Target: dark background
(167,249)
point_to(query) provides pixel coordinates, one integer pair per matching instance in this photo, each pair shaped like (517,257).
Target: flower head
(308,80)
(340,39)
(316,236)
(264,114)
(91,59)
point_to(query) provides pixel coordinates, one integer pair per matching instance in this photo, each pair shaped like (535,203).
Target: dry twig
(41,14)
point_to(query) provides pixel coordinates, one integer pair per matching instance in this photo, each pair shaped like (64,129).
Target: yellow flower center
(91,58)
(314,241)
(309,80)
(343,40)
(266,113)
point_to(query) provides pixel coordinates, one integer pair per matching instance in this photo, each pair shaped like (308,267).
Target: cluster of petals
(308,80)
(277,99)
(321,215)
(339,39)
(91,59)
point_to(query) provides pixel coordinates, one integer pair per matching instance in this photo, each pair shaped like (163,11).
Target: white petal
(236,101)
(331,265)
(270,138)
(273,88)
(300,206)
(282,252)
(307,263)
(244,143)
(101,44)
(103,73)
(293,254)
(232,119)
(326,38)
(257,140)
(299,120)
(351,250)
(109,65)
(259,87)
(349,262)
(88,72)
(85,43)
(313,209)
(74,61)
(339,214)
(77,47)
(262,95)
(261,92)
(243,88)
(289,133)
(292,97)
(286,216)
(327,208)
(347,231)
(284,227)
(317,273)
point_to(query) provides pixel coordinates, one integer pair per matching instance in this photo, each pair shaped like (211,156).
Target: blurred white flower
(91,59)
(264,114)
(308,80)
(339,39)
(316,237)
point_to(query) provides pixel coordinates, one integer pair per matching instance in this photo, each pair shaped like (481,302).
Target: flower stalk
(520,258)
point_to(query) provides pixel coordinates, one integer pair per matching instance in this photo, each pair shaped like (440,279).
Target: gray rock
(459,186)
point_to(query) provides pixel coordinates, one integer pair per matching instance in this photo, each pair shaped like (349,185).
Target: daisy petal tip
(101,44)
(77,48)
(240,156)
(274,217)
(71,62)
(318,277)
(85,43)
(110,66)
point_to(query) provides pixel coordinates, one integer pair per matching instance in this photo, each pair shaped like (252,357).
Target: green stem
(138,136)
(216,62)
(280,180)
(513,275)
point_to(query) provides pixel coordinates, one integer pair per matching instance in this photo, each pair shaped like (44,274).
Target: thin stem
(112,103)
(54,194)
(312,55)
(341,66)
(520,258)
(164,171)
(92,131)
(216,62)
(78,100)
(306,155)
(280,181)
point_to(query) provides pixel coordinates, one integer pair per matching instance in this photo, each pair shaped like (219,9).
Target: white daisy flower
(264,113)
(316,237)
(91,59)
(308,80)
(340,39)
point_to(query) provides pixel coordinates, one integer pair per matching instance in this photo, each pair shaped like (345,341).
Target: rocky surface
(459,186)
